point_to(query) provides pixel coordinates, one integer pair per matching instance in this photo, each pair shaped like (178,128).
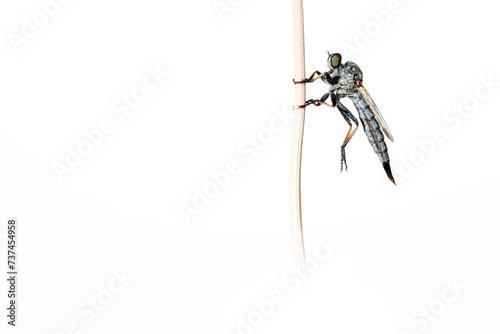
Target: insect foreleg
(312,78)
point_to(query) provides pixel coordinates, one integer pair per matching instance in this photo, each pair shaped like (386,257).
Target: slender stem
(297,136)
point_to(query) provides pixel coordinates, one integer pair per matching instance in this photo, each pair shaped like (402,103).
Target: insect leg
(317,103)
(312,79)
(348,116)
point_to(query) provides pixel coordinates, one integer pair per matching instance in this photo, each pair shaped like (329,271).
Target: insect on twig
(344,80)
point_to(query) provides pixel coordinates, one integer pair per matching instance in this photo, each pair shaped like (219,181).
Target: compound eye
(335,60)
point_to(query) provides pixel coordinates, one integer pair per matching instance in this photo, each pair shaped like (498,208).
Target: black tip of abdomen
(387,168)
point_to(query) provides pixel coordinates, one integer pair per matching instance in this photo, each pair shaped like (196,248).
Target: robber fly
(346,80)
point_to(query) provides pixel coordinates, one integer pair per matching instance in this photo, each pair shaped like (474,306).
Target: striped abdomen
(373,131)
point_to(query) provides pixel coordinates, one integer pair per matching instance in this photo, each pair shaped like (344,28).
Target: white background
(229,72)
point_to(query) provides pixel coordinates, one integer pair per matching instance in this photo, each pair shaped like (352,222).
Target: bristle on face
(387,168)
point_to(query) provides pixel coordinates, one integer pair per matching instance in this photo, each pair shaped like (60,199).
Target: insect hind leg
(348,116)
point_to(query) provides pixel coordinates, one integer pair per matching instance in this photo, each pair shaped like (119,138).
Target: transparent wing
(378,116)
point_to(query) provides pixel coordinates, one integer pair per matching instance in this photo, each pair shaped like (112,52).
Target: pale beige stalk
(297,136)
